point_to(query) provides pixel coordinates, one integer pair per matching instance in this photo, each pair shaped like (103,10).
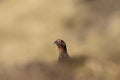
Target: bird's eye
(58,41)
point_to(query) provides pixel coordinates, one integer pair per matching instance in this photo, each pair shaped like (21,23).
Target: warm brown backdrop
(29,27)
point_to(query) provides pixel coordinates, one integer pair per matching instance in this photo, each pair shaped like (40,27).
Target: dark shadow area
(36,71)
(75,62)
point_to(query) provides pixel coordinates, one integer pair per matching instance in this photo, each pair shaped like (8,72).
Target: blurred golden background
(28,29)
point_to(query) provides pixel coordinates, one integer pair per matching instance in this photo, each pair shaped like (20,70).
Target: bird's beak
(55,43)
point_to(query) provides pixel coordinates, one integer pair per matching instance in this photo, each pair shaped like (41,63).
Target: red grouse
(65,58)
(63,54)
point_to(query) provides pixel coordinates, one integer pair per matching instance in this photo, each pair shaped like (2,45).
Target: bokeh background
(28,29)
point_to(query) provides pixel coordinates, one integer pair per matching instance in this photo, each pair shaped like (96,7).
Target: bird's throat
(63,54)
(62,50)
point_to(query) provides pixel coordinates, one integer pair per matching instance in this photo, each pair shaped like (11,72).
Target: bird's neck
(62,50)
(63,54)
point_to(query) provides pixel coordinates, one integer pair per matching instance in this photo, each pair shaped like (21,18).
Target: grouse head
(60,43)
(63,54)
